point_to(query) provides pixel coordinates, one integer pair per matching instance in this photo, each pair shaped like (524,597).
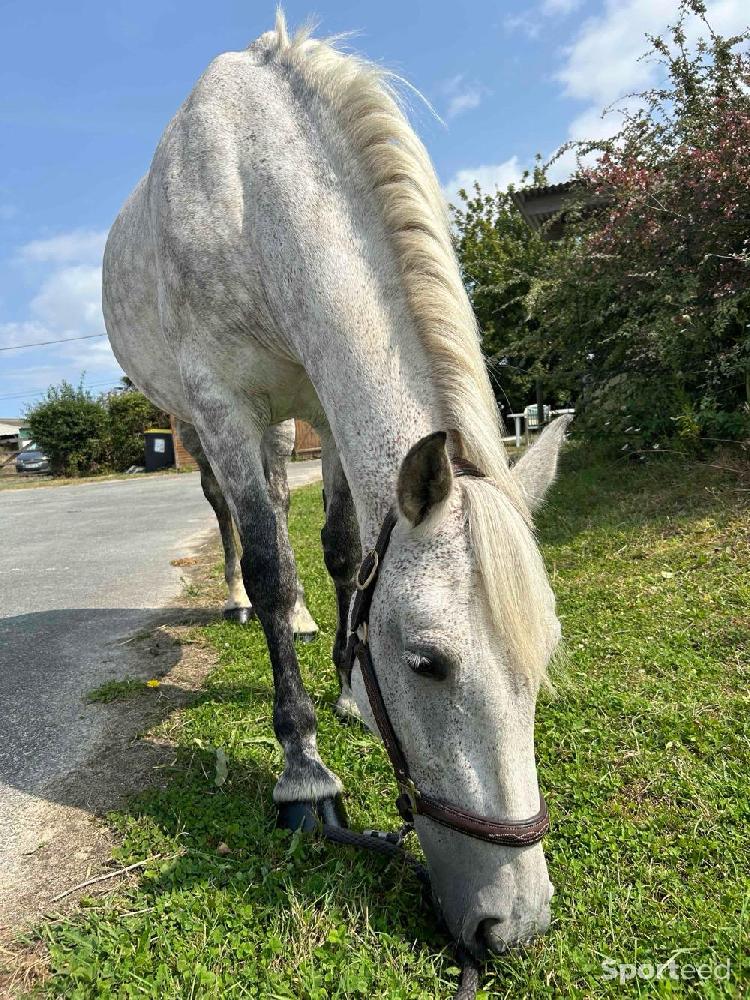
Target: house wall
(182,457)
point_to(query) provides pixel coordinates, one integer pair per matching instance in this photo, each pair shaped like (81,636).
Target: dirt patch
(73,843)
(23,966)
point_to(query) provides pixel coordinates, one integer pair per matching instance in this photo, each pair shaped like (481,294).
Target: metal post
(539,403)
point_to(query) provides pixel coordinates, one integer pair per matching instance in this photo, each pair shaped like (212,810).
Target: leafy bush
(642,310)
(634,412)
(666,264)
(130,414)
(501,259)
(84,436)
(72,428)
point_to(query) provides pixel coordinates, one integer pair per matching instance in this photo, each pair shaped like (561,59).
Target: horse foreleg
(278,444)
(237,607)
(307,789)
(342,552)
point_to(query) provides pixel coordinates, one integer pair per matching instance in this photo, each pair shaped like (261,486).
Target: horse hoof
(307,816)
(239,615)
(305,636)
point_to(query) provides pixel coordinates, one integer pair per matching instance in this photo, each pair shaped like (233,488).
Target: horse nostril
(498,934)
(493,935)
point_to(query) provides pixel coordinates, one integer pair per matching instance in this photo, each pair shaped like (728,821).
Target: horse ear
(536,469)
(425,477)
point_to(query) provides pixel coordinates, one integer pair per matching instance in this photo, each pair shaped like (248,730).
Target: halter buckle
(364,584)
(409,794)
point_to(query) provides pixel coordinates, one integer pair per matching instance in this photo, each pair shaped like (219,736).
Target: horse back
(197,252)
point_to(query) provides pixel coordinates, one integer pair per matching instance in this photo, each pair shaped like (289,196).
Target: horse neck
(353,330)
(379,400)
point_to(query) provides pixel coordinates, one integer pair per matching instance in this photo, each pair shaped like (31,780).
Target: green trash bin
(159,449)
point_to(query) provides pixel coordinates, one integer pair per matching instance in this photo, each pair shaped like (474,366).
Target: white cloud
(66,304)
(462,95)
(489,177)
(527,23)
(602,66)
(563,7)
(70,299)
(79,246)
(603,63)
(464,102)
(593,124)
(26,332)
(530,21)
(91,356)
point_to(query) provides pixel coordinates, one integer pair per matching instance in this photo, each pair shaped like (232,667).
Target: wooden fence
(306,441)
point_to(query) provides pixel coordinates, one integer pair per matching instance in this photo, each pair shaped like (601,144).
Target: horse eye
(427,664)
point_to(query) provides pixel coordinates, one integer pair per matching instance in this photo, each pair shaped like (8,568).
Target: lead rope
(391,844)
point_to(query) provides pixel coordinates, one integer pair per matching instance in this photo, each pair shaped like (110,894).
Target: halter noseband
(412,801)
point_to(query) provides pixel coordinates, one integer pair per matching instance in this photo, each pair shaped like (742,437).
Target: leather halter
(412,801)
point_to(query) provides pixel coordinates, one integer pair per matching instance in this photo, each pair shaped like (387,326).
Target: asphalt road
(81,569)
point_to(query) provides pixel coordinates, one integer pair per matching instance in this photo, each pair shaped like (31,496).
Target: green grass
(643,757)
(119,690)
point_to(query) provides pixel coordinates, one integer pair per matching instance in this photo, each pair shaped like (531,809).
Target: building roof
(539,205)
(543,208)
(9,429)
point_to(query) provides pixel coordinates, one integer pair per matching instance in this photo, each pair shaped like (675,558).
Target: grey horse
(289,254)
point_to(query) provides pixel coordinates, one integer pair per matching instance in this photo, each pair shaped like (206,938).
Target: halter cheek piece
(412,801)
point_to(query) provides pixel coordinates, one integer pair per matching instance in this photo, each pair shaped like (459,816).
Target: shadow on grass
(162,799)
(224,840)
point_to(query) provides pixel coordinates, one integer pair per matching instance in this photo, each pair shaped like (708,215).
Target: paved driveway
(81,569)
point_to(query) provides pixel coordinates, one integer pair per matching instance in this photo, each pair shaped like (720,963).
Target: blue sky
(87,88)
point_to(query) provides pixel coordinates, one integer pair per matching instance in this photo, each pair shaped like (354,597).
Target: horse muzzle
(498,934)
(491,897)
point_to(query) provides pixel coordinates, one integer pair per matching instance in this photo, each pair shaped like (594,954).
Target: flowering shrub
(642,311)
(666,261)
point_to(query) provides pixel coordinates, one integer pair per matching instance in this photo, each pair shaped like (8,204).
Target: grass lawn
(644,758)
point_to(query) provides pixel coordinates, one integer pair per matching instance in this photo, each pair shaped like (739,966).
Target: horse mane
(365,101)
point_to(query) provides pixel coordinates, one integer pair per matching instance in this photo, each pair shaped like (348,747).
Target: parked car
(31,459)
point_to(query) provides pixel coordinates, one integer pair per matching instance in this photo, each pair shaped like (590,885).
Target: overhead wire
(47,343)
